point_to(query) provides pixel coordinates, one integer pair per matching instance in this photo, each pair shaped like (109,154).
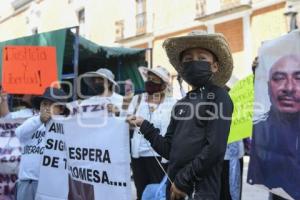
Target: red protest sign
(28,69)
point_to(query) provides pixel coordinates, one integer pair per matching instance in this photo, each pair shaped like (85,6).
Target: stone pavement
(249,192)
(252,192)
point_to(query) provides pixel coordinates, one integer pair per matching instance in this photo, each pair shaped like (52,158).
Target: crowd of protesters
(192,152)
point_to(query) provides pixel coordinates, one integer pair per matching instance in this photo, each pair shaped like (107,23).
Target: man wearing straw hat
(196,139)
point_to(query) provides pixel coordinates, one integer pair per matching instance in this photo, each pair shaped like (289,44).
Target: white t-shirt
(31,135)
(158,115)
(115,99)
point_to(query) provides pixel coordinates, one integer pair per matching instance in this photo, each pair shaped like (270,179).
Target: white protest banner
(275,153)
(98,159)
(10,154)
(53,182)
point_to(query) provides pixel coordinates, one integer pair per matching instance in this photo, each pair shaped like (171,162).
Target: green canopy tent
(76,55)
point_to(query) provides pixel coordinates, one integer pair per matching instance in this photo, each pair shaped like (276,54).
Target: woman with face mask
(154,105)
(102,83)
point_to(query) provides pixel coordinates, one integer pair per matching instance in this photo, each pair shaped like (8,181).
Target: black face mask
(196,73)
(98,89)
(151,87)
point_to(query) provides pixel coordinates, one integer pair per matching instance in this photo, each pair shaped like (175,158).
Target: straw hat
(103,73)
(213,42)
(159,71)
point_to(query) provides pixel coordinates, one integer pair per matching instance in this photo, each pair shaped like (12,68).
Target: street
(252,192)
(249,192)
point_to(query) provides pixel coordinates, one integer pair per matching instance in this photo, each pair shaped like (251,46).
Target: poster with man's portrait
(275,152)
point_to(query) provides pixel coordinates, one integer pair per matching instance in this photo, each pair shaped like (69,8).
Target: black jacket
(275,155)
(196,140)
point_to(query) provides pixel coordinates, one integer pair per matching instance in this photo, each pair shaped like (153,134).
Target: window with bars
(119,29)
(200,8)
(141,21)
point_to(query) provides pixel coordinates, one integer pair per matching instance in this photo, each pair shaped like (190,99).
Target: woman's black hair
(110,86)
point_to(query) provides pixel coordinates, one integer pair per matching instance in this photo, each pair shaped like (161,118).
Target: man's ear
(270,92)
(215,67)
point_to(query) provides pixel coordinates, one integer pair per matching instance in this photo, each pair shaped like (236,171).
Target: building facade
(147,23)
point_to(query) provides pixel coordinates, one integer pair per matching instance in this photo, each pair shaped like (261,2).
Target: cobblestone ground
(249,192)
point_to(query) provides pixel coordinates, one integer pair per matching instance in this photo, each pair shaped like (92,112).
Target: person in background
(128,96)
(103,84)
(4,108)
(129,89)
(24,112)
(155,106)
(232,173)
(254,65)
(31,134)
